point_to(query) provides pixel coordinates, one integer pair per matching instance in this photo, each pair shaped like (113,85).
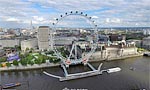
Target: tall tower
(44,41)
(31,26)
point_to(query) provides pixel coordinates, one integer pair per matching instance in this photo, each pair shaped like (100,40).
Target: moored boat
(146,54)
(10,85)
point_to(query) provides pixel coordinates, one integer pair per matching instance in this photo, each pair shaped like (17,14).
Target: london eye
(74,55)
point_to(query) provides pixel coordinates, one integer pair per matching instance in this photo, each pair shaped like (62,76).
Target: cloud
(37,18)
(113,20)
(95,17)
(67,5)
(12,19)
(105,13)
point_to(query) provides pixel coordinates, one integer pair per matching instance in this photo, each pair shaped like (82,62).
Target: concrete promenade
(48,64)
(28,67)
(116,58)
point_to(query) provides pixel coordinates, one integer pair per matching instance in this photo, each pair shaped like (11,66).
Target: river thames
(126,79)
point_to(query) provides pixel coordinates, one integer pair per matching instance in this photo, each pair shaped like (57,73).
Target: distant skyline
(106,13)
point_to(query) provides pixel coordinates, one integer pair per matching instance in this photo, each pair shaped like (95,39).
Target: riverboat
(146,54)
(10,85)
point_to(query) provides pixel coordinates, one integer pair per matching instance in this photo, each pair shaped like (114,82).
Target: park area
(30,59)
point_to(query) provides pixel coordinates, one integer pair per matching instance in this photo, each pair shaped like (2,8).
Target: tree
(49,52)
(45,57)
(23,62)
(37,61)
(30,62)
(29,57)
(31,49)
(15,62)
(44,61)
(26,54)
(18,47)
(27,49)
(21,56)
(51,59)
(45,50)
(42,58)
(1,65)
(3,59)
(54,59)
(8,64)
(141,49)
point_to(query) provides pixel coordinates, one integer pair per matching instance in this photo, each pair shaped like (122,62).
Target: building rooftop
(43,26)
(147,37)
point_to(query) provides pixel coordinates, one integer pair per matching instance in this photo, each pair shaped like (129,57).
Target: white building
(1,35)
(9,43)
(30,43)
(25,32)
(2,52)
(44,38)
(64,40)
(146,43)
(146,32)
(138,43)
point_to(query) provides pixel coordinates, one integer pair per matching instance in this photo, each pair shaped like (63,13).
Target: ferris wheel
(74,50)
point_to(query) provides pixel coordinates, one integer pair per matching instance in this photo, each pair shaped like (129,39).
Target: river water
(126,79)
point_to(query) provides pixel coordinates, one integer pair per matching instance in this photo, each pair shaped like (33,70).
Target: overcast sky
(106,13)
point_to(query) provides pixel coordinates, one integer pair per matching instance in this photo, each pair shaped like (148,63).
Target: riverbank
(48,64)
(125,57)
(116,58)
(28,67)
(125,80)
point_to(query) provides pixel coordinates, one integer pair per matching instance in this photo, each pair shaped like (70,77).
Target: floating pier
(94,72)
(46,73)
(91,66)
(65,70)
(80,75)
(74,76)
